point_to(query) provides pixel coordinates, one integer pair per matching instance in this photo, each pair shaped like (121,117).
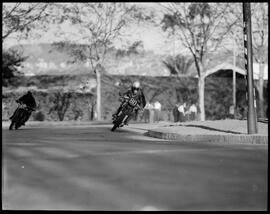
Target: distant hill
(45,59)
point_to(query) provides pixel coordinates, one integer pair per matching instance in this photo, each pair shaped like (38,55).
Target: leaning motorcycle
(127,108)
(20,116)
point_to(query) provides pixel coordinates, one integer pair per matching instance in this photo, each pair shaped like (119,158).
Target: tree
(178,65)
(18,18)
(21,17)
(200,27)
(11,60)
(260,45)
(61,102)
(259,15)
(99,25)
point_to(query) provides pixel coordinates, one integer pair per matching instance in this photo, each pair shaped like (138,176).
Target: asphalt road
(92,168)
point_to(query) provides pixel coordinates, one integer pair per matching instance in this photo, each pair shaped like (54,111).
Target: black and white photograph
(135,106)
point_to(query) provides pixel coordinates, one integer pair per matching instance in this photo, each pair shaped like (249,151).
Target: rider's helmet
(135,87)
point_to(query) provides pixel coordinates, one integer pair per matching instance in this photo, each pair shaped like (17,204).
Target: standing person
(193,111)
(176,113)
(181,110)
(146,112)
(187,112)
(231,112)
(157,109)
(151,113)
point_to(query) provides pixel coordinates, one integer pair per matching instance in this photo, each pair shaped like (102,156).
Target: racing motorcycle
(20,116)
(129,105)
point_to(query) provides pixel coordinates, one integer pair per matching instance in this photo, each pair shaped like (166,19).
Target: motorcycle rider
(136,92)
(29,100)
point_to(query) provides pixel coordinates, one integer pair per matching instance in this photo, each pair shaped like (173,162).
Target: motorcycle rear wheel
(17,126)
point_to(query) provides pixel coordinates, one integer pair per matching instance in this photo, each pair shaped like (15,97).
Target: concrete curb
(200,138)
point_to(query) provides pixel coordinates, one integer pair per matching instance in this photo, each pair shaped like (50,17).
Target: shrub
(39,116)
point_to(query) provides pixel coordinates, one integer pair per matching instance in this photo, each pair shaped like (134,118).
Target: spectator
(151,113)
(187,112)
(175,113)
(146,112)
(231,112)
(181,110)
(193,111)
(239,112)
(157,111)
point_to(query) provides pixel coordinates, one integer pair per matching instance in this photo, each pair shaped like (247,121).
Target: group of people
(185,112)
(152,112)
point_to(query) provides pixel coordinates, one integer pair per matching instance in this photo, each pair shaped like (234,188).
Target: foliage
(135,48)
(260,32)
(98,31)
(259,22)
(11,59)
(199,26)
(178,65)
(61,102)
(21,17)
(167,90)
(39,116)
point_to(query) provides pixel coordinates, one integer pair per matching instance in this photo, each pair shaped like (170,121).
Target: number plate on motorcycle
(132,102)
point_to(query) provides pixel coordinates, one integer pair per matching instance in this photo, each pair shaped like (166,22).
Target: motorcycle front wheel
(118,122)
(11,125)
(114,127)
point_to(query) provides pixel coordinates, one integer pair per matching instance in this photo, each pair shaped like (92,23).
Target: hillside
(45,59)
(167,90)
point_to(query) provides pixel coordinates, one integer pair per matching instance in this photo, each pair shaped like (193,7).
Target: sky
(154,39)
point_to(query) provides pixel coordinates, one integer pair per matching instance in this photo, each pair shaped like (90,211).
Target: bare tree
(200,27)
(99,25)
(260,45)
(259,15)
(21,17)
(61,103)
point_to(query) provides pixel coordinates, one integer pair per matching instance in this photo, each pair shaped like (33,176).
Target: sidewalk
(219,131)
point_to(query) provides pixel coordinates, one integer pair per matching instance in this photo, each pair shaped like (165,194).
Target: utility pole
(251,117)
(234,77)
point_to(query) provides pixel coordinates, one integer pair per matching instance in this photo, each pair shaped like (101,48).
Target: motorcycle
(128,107)
(20,116)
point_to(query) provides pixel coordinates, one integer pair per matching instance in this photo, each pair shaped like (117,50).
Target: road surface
(92,168)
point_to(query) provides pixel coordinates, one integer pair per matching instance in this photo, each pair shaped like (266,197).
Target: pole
(251,117)
(234,77)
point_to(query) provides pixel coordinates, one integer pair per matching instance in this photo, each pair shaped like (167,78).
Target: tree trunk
(201,84)
(61,116)
(98,106)
(260,90)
